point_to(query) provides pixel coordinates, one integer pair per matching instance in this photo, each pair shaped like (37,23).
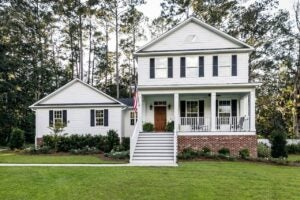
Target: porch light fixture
(151,106)
(169,106)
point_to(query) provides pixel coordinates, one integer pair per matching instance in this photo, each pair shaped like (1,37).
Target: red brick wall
(215,142)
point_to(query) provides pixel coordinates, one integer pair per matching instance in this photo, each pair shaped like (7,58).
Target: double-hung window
(133,118)
(192,108)
(58,117)
(161,67)
(192,66)
(99,118)
(224,110)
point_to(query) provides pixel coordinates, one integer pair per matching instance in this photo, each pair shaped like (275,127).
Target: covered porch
(217,111)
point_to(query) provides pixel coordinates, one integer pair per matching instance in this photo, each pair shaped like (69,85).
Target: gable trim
(39,103)
(199,22)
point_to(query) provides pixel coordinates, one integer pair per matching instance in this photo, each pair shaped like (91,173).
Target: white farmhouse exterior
(83,110)
(196,77)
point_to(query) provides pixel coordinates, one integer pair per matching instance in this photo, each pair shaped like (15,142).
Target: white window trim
(186,108)
(54,118)
(99,117)
(159,66)
(134,118)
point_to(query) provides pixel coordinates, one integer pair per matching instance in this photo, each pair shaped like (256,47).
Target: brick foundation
(215,142)
(39,141)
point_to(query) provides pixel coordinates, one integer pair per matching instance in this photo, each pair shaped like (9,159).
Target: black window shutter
(92,117)
(201,66)
(215,66)
(50,118)
(182,67)
(234,107)
(201,108)
(105,117)
(65,117)
(234,65)
(152,68)
(217,107)
(182,108)
(170,67)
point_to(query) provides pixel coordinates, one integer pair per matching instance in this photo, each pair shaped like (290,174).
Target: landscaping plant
(17,139)
(148,127)
(278,141)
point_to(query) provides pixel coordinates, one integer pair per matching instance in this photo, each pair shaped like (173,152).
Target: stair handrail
(175,146)
(133,140)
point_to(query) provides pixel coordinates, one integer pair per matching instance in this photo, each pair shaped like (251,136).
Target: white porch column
(252,110)
(213,111)
(176,112)
(140,112)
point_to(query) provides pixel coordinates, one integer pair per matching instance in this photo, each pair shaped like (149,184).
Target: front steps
(154,149)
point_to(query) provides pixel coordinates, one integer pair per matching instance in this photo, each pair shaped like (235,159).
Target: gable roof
(43,102)
(244,46)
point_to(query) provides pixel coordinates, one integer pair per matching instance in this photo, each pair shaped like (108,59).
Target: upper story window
(192,66)
(161,67)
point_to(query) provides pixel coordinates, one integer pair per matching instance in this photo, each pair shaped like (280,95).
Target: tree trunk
(80,46)
(90,49)
(117,51)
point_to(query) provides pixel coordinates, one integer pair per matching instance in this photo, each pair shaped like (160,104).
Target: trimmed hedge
(293,148)
(79,142)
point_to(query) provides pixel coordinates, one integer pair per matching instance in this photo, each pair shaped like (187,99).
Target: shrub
(244,153)
(40,150)
(85,150)
(112,139)
(263,151)
(278,141)
(170,126)
(126,143)
(17,139)
(206,150)
(293,148)
(118,154)
(148,127)
(224,151)
(188,153)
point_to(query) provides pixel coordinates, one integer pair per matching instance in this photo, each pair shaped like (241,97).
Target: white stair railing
(175,147)
(133,140)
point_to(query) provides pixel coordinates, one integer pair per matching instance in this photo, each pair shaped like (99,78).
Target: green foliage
(126,143)
(263,151)
(206,150)
(244,153)
(293,148)
(278,141)
(188,153)
(78,143)
(224,151)
(17,139)
(170,126)
(86,150)
(118,154)
(39,150)
(112,139)
(148,127)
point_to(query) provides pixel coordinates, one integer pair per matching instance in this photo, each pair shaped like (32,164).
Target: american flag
(135,99)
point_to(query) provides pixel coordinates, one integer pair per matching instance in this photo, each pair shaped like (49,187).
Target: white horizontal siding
(79,122)
(224,60)
(205,39)
(127,127)
(77,93)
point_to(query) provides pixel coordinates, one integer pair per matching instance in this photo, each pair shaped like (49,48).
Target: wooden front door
(160,118)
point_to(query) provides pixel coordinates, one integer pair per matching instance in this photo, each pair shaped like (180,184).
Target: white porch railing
(198,124)
(133,140)
(232,123)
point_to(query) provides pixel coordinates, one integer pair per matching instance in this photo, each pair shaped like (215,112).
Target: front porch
(200,112)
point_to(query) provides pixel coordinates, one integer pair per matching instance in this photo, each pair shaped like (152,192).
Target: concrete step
(153,154)
(154,145)
(155,139)
(171,150)
(157,134)
(170,158)
(155,142)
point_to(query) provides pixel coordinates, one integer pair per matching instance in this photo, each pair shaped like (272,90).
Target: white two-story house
(196,77)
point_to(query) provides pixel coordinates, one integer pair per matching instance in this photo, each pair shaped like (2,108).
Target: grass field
(294,157)
(12,157)
(191,180)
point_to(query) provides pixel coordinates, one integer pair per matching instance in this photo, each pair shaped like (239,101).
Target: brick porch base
(215,142)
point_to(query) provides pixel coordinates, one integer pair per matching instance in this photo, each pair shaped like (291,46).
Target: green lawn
(12,157)
(191,180)
(294,157)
